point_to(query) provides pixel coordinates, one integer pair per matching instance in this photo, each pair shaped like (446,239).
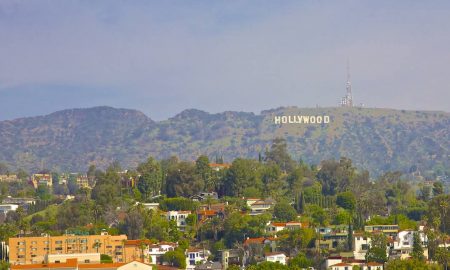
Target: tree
(134,223)
(242,174)
(279,155)
(268,266)
(43,192)
(399,264)
(300,261)
(346,200)
(377,249)
(97,245)
(284,212)
(107,188)
(270,175)
(204,171)
(150,181)
(175,258)
(439,213)
(336,176)
(442,256)
(417,252)
(438,188)
(182,180)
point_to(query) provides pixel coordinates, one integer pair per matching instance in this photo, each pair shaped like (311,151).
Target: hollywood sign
(302,119)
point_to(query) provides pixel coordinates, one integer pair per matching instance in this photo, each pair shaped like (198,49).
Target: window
(33,242)
(59,242)
(57,261)
(87,261)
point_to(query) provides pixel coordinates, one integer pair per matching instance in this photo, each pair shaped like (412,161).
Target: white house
(404,242)
(276,257)
(179,217)
(259,206)
(341,266)
(360,246)
(5,208)
(196,256)
(150,206)
(156,251)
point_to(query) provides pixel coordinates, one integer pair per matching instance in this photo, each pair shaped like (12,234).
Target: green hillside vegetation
(334,194)
(375,139)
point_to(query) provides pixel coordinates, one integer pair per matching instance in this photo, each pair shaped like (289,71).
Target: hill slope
(376,139)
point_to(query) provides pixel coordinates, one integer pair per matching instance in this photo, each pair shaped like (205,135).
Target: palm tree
(97,245)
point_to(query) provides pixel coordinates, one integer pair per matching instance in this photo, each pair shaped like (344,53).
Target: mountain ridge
(376,139)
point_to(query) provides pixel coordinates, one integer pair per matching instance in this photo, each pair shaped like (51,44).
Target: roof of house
(279,224)
(341,264)
(138,242)
(274,254)
(220,165)
(258,240)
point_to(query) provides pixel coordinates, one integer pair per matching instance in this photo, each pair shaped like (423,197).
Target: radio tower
(347,100)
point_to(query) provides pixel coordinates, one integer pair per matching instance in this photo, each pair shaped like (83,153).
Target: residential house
(156,251)
(332,237)
(390,230)
(256,248)
(202,196)
(274,227)
(195,256)
(5,208)
(24,202)
(9,178)
(258,207)
(276,257)
(230,257)
(150,206)
(404,241)
(219,166)
(179,217)
(361,244)
(39,179)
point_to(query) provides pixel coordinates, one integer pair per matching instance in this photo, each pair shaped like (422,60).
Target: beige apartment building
(32,250)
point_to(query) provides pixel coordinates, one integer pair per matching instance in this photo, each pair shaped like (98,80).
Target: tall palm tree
(97,245)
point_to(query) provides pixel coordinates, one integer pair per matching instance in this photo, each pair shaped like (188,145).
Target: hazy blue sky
(162,57)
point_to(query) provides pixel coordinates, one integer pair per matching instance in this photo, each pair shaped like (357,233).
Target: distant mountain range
(375,139)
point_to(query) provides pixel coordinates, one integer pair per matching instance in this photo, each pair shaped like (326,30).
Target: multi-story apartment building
(31,250)
(82,181)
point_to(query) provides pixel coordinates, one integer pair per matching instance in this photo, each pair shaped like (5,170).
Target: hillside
(376,139)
